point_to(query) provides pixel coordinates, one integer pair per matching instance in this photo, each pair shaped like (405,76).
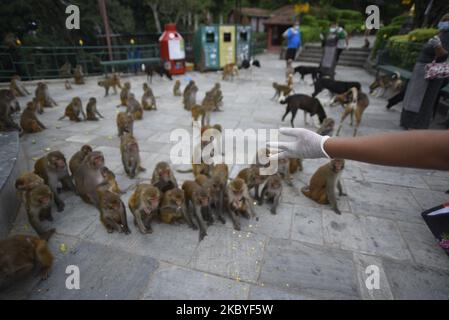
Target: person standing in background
(421,96)
(342,39)
(293,36)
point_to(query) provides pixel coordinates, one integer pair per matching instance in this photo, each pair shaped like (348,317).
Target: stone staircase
(353,57)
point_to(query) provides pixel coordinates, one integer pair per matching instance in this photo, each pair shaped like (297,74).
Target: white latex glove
(308,145)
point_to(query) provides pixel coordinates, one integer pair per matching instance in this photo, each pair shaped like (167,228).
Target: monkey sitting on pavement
(323,183)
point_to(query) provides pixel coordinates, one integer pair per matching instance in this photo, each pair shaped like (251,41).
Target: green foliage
(382,35)
(309,20)
(348,14)
(399,20)
(421,35)
(399,38)
(323,24)
(310,34)
(402,54)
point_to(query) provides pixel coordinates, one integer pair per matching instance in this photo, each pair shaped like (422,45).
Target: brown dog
(354,102)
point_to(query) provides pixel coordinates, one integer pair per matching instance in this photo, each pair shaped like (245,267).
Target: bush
(399,38)
(399,20)
(348,14)
(421,35)
(309,20)
(382,35)
(323,24)
(310,34)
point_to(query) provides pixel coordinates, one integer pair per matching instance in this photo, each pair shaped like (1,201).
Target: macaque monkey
(66,70)
(323,183)
(134,108)
(74,110)
(272,191)
(219,177)
(53,169)
(289,70)
(29,121)
(25,182)
(253,179)
(92,111)
(17,87)
(78,75)
(38,207)
(230,70)
(295,165)
(8,104)
(43,97)
(177,89)
(239,202)
(198,199)
(217,191)
(284,171)
(198,113)
(112,211)
(148,99)
(327,127)
(67,85)
(163,177)
(88,176)
(281,90)
(129,149)
(76,160)
(124,94)
(113,82)
(144,204)
(20,255)
(217,96)
(109,178)
(125,123)
(189,95)
(173,208)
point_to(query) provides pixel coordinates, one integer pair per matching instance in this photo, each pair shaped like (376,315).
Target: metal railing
(44,62)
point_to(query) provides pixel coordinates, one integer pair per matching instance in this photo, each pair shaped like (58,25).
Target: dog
(306,103)
(334,86)
(246,64)
(305,70)
(384,83)
(354,102)
(158,69)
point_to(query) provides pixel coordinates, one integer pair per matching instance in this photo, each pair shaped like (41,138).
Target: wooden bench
(389,69)
(113,63)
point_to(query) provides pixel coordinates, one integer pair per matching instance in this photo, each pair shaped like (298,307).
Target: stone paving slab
(415,282)
(321,272)
(175,283)
(105,273)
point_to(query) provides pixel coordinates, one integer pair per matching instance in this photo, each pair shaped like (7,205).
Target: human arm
(427,149)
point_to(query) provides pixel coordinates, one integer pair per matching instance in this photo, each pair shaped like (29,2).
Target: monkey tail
(184,171)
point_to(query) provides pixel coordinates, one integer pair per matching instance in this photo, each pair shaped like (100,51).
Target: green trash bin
(206,48)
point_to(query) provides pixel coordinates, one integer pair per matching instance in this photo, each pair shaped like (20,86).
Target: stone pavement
(304,252)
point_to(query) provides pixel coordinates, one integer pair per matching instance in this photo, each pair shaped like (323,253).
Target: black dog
(306,103)
(305,70)
(246,64)
(334,86)
(156,68)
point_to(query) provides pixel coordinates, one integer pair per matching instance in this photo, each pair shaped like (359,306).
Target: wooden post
(104,15)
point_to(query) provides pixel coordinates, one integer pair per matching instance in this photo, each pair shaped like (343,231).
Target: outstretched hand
(307,145)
